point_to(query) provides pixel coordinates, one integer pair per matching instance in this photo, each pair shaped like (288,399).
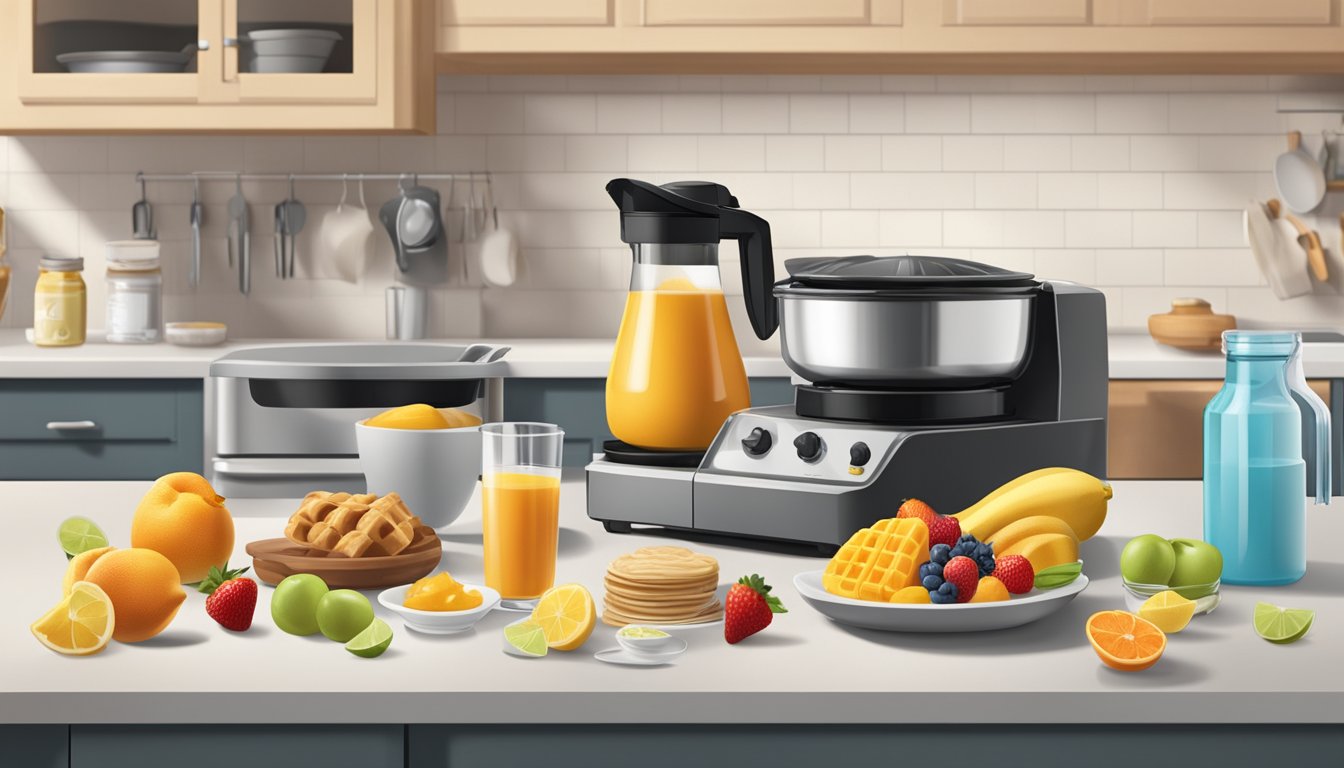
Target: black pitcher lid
(909,271)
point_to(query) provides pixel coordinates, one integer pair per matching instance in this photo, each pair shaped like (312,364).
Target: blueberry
(948,588)
(932,583)
(931,569)
(940,554)
(938,598)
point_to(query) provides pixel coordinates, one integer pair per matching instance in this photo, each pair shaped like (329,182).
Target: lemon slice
(80,534)
(566,615)
(1282,625)
(525,638)
(79,625)
(1168,610)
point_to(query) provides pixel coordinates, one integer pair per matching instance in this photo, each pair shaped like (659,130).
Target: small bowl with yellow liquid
(430,456)
(439,604)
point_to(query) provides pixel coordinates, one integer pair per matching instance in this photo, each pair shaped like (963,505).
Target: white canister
(134,292)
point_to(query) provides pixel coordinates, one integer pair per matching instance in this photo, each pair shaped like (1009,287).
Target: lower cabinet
(100,429)
(236,746)
(579,406)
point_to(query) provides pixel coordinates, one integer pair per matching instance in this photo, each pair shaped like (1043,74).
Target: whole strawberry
(965,574)
(917,508)
(231,600)
(749,608)
(1015,572)
(944,530)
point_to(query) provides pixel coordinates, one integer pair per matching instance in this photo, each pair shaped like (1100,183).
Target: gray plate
(124,61)
(962,617)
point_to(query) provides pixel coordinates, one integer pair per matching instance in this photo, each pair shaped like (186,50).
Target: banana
(1076,498)
(1018,530)
(1045,550)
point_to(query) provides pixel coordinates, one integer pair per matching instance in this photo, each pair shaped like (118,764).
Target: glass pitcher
(1255,471)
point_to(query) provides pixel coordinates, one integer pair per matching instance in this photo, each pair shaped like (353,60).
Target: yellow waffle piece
(359,525)
(878,561)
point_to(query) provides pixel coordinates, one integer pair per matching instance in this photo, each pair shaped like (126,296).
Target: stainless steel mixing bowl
(878,340)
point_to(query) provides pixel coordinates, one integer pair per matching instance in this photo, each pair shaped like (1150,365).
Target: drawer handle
(69,426)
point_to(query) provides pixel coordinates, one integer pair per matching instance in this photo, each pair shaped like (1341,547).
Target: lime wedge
(525,638)
(80,534)
(1282,625)
(372,641)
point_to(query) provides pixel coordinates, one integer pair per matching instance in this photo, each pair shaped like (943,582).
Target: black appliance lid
(902,272)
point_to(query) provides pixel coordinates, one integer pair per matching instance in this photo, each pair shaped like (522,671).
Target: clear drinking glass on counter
(520,497)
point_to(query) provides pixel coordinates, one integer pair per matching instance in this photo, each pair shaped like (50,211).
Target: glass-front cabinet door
(200,51)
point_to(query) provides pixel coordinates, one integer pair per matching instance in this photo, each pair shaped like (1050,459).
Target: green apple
(1198,564)
(294,604)
(1147,559)
(342,614)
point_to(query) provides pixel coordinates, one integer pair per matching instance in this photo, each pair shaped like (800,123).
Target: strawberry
(944,530)
(749,608)
(231,600)
(1015,572)
(965,574)
(917,508)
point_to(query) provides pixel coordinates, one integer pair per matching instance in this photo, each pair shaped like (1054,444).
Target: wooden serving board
(275,559)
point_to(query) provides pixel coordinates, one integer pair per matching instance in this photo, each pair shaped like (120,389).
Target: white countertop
(1132,356)
(803,668)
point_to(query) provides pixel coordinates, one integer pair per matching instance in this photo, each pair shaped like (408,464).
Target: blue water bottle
(1255,473)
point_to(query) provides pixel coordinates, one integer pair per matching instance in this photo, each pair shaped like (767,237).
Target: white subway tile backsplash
(904,230)
(1100,153)
(1211,191)
(755,113)
(1225,113)
(596,153)
(461,153)
(626,113)
(1165,229)
(909,83)
(560,113)
(973,229)
(784,152)
(912,153)
(732,153)
(1067,191)
(1134,191)
(849,229)
(853,153)
(1037,153)
(1130,266)
(692,113)
(821,191)
(1132,113)
(663,153)
(921,191)
(1216,266)
(937,113)
(1033,229)
(876,113)
(488,113)
(1164,153)
(1243,153)
(1220,229)
(819,113)
(1076,265)
(1098,229)
(992,113)
(1005,190)
(796,229)
(973,153)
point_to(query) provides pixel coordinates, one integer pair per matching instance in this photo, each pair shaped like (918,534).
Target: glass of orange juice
(520,491)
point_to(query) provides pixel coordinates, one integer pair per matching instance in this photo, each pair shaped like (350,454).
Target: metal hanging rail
(195,176)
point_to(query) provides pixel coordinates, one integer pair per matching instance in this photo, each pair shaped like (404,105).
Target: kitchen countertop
(1137,356)
(803,668)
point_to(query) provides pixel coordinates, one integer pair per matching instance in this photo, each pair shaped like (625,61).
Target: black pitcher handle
(752,234)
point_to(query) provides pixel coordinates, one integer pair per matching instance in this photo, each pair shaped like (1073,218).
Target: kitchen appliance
(281,419)
(676,372)
(1255,459)
(933,378)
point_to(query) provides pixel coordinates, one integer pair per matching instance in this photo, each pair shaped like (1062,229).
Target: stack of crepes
(662,585)
(356,525)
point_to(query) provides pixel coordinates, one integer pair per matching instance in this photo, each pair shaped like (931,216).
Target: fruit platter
(1010,559)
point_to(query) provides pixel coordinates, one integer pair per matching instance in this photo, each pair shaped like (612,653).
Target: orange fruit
(145,590)
(183,519)
(80,625)
(990,590)
(1124,641)
(79,567)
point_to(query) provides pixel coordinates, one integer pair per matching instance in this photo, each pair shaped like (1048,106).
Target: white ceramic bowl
(651,646)
(434,470)
(438,622)
(195,334)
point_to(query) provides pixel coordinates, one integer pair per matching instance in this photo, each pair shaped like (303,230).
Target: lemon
(1282,625)
(79,625)
(1168,611)
(371,642)
(80,534)
(566,615)
(525,638)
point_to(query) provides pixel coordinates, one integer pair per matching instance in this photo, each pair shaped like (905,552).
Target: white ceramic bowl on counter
(433,470)
(438,622)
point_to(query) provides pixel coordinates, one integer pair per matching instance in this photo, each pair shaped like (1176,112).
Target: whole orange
(79,567)
(183,519)
(145,590)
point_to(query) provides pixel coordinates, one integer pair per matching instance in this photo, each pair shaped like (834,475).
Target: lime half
(80,534)
(371,642)
(1282,625)
(525,638)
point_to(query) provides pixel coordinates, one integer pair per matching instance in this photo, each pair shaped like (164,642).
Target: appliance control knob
(757,443)
(859,454)
(809,446)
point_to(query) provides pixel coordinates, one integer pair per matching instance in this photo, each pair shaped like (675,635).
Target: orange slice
(1125,641)
(79,625)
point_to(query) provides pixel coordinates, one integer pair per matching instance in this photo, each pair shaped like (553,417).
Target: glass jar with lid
(134,292)
(59,302)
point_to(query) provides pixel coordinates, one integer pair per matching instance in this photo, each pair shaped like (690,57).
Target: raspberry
(964,574)
(944,530)
(1016,573)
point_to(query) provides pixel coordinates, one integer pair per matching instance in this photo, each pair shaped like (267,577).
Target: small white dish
(920,617)
(622,656)
(195,334)
(650,646)
(438,622)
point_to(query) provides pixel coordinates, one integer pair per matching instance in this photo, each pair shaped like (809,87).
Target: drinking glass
(520,491)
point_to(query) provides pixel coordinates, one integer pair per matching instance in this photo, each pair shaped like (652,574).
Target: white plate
(1300,180)
(622,656)
(910,617)
(669,647)
(438,622)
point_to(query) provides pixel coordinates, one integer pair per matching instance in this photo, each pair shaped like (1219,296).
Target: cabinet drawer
(99,429)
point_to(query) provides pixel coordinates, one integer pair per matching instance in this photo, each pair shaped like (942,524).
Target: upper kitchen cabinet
(216,65)
(943,36)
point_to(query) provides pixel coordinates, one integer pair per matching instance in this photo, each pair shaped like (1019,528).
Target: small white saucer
(622,656)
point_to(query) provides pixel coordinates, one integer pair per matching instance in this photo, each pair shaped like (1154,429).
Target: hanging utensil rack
(196,176)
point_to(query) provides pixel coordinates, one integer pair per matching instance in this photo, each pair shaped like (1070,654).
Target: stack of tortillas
(662,585)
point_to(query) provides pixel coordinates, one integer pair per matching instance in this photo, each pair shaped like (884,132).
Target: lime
(372,641)
(525,638)
(1282,625)
(1168,610)
(80,534)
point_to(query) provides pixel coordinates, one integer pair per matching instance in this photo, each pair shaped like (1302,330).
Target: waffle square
(879,560)
(356,525)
